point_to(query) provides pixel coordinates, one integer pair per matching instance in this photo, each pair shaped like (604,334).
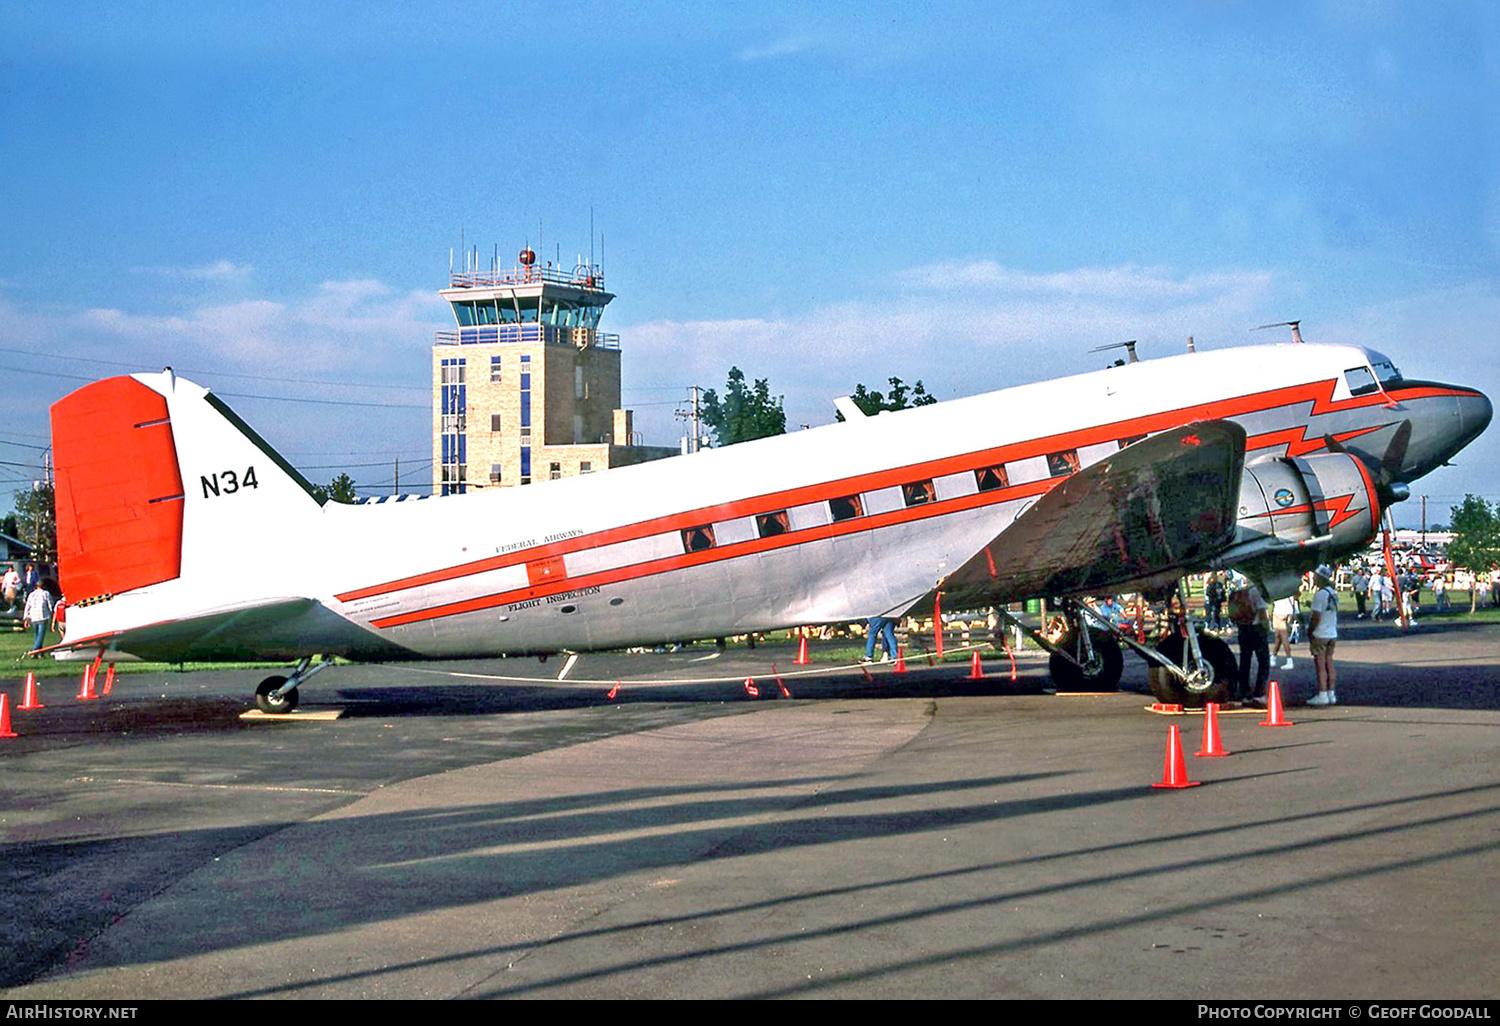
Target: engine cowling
(1297,512)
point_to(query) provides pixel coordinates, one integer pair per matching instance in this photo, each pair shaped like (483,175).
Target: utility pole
(695,429)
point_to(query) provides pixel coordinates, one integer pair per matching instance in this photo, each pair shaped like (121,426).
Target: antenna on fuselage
(1129,347)
(1296,334)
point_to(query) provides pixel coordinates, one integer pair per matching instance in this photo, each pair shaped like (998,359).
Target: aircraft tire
(1110,667)
(1168,688)
(274,706)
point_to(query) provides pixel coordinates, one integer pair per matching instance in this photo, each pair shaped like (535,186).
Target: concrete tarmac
(917,836)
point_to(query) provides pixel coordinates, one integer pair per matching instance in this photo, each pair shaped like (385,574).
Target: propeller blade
(1395,453)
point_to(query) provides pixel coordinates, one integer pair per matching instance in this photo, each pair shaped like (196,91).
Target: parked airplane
(182,535)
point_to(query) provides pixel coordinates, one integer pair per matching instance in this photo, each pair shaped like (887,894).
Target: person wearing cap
(1322,634)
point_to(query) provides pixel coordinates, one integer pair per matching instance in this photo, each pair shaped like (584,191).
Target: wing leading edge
(1132,521)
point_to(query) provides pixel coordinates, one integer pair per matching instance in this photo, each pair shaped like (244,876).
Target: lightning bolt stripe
(1319,394)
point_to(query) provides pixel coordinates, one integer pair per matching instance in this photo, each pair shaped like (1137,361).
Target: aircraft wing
(271,629)
(1132,521)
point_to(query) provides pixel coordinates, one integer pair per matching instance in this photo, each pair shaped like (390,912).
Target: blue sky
(265,196)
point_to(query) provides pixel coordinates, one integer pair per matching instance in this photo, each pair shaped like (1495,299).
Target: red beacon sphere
(527,257)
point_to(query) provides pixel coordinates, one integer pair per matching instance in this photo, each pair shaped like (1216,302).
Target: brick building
(526,388)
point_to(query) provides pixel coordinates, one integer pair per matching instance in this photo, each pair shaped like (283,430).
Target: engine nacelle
(1298,512)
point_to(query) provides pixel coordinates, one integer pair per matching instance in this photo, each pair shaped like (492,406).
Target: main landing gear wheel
(271,704)
(1211,682)
(1100,672)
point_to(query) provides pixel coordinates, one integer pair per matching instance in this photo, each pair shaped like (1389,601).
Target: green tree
(340,489)
(744,412)
(36,522)
(1476,534)
(899,398)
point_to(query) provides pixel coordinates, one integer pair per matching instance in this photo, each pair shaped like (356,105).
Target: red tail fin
(119,491)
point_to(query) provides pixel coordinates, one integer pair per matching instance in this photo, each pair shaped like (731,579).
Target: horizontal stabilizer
(274,629)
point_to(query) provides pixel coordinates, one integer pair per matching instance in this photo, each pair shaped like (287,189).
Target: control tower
(527,388)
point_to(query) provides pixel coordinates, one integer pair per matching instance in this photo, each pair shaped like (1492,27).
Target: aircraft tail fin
(155,478)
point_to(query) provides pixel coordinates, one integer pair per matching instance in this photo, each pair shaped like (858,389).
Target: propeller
(1389,488)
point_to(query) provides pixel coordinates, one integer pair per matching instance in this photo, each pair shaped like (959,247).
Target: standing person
(1322,635)
(1361,584)
(1440,592)
(1214,594)
(1282,613)
(884,628)
(1387,595)
(10,587)
(1247,608)
(38,614)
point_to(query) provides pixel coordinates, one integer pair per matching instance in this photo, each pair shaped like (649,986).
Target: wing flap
(1133,520)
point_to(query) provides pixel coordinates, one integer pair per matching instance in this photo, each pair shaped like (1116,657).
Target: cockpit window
(1361,380)
(1386,371)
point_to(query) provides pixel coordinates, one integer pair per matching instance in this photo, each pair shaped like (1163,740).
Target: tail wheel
(1211,682)
(1100,673)
(271,704)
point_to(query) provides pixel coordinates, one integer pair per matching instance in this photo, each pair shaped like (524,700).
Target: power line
(206,371)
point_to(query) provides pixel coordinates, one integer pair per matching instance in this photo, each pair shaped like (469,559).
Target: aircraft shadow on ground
(395,865)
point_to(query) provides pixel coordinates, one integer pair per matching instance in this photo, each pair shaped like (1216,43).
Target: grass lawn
(15,644)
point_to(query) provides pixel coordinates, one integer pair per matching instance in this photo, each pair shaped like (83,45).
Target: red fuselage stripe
(1319,393)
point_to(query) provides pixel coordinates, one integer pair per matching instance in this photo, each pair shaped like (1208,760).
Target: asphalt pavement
(648,828)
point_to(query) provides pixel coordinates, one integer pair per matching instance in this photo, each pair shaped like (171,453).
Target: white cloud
(218,271)
(343,326)
(960,327)
(784,47)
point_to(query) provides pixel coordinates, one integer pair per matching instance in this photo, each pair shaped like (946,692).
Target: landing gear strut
(276,696)
(1187,668)
(1084,654)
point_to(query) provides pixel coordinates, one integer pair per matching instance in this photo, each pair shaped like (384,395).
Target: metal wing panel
(1132,520)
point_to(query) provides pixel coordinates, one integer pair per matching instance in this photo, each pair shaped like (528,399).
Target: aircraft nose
(1474,414)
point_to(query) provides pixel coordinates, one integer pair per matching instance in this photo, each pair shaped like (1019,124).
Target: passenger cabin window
(1061,464)
(846,508)
(768,525)
(1361,380)
(918,492)
(696,539)
(990,478)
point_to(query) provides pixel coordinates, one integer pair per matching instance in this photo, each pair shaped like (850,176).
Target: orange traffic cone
(801,659)
(86,688)
(1211,744)
(5,730)
(1174,772)
(1274,716)
(30,699)
(976,669)
(750,688)
(613,691)
(900,659)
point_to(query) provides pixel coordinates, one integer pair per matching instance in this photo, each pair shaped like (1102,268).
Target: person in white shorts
(1323,633)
